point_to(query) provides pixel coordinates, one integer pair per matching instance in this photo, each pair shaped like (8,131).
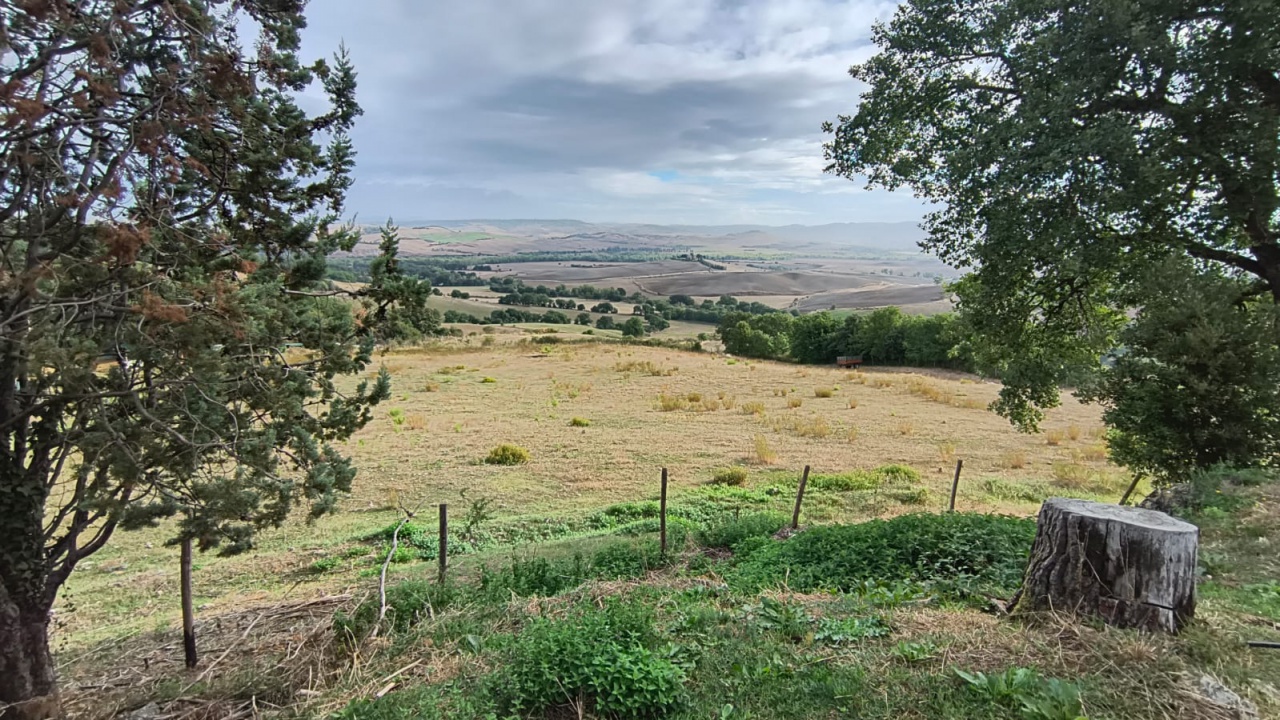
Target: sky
(661,111)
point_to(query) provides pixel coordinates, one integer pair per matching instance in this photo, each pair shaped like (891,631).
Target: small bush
(1074,432)
(432,387)
(507,455)
(407,603)
(729,533)
(416,421)
(914,496)
(603,658)
(904,427)
(579,422)
(488,380)
(794,403)
(824,392)
(753,408)
(816,427)
(397,416)
(965,552)
(708,405)
(323,565)
(1015,460)
(898,473)
(852,434)
(1054,437)
(735,476)
(762,453)
(670,403)
(853,404)
(694,397)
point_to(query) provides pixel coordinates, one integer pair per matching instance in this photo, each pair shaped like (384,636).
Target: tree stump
(1135,568)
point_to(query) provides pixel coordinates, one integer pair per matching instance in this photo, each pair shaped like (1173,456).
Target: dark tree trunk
(1135,568)
(27,687)
(188,611)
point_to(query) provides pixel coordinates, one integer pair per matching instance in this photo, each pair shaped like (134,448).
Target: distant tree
(604,307)
(456,293)
(681,300)
(882,337)
(1071,150)
(656,323)
(727,301)
(605,323)
(582,319)
(633,327)
(555,317)
(812,338)
(171,345)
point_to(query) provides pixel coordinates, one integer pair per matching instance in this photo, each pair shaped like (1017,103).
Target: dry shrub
(905,428)
(1095,453)
(824,392)
(735,476)
(852,434)
(416,421)
(970,403)
(432,387)
(881,383)
(694,397)
(929,391)
(947,452)
(779,392)
(816,427)
(794,403)
(853,404)
(728,402)
(753,408)
(857,377)
(1054,437)
(708,405)
(1074,432)
(1072,476)
(668,403)
(762,454)
(1015,460)
(647,367)
(1098,431)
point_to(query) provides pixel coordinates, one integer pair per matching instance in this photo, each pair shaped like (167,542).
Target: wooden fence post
(955,485)
(795,516)
(662,514)
(444,539)
(1132,486)
(188,611)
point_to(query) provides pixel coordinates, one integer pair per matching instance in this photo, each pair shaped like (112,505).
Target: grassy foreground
(559,604)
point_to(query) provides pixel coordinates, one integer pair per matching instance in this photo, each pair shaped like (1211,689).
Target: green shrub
(604,657)
(1006,490)
(323,565)
(897,473)
(729,533)
(507,455)
(627,559)
(579,422)
(407,603)
(621,514)
(912,496)
(961,552)
(730,476)
(533,577)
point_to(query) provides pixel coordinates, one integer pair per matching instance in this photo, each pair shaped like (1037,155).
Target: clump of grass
(911,496)
(506,454)
(397,417)
(1054,437)
(970,404)
(1074,432)
(579,422)
(851,434)
(816,427)
(762,454)
(734,476)
(416,421)
(727,401)
(1098,431)
(794,403)
(669,403)
(1071,476)
(647,367)
(929,391)
(488,380)
(857,377)
(1014,460)
(947,452)
(905,427)
(694,397)
(881,383)
(753,408)
(709,405)
(432,387)
(1008,490)
(824,392)
(853,404)
(1095,453)
(779,392)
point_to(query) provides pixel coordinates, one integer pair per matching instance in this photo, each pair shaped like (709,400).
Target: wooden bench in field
(849,361)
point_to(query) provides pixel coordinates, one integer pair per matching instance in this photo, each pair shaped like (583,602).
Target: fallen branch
(382,578)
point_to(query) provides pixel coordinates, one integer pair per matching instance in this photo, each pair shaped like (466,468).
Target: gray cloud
(628,110)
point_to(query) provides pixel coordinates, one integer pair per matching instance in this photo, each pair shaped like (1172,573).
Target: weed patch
(507,455)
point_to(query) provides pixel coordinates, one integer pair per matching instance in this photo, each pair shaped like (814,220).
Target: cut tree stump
(1135,568)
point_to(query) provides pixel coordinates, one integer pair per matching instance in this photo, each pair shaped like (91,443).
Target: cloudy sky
(666,111)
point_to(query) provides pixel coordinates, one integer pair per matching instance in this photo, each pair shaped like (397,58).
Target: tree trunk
(188,611)
(1135,568)
(27,687)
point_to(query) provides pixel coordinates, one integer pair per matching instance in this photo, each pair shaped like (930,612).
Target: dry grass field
(453,403)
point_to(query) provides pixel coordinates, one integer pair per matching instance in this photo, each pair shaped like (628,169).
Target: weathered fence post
(444,539)
(662,514)
(955,485)
(188,611)
(1132,486)
(795,516)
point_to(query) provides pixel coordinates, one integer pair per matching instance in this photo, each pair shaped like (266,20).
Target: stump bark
(1135,568)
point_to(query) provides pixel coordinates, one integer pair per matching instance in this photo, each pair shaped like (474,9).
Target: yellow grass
(762,454)
(853,403)
(754,407)
(947,452)
(824,392)
(904,427)
(1095,453)
(851,434)
(1015,460)
(1071,476)
(794,403)
(1054,437)
(669,403)
(1074,432)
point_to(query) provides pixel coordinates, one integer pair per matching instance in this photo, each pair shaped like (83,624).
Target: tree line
(886,336)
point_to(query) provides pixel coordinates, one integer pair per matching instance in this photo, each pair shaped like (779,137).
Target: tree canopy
(1069,148)
(170,344)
